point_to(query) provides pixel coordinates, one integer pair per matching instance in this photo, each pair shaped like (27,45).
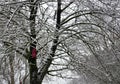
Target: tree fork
(45,65)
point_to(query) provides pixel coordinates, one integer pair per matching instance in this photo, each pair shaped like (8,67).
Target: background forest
(43,40)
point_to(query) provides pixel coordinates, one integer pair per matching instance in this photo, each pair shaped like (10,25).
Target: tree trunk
(31,60)
(11,58)
(47,62)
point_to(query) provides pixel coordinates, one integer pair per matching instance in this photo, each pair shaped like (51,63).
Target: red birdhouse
(34,53)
